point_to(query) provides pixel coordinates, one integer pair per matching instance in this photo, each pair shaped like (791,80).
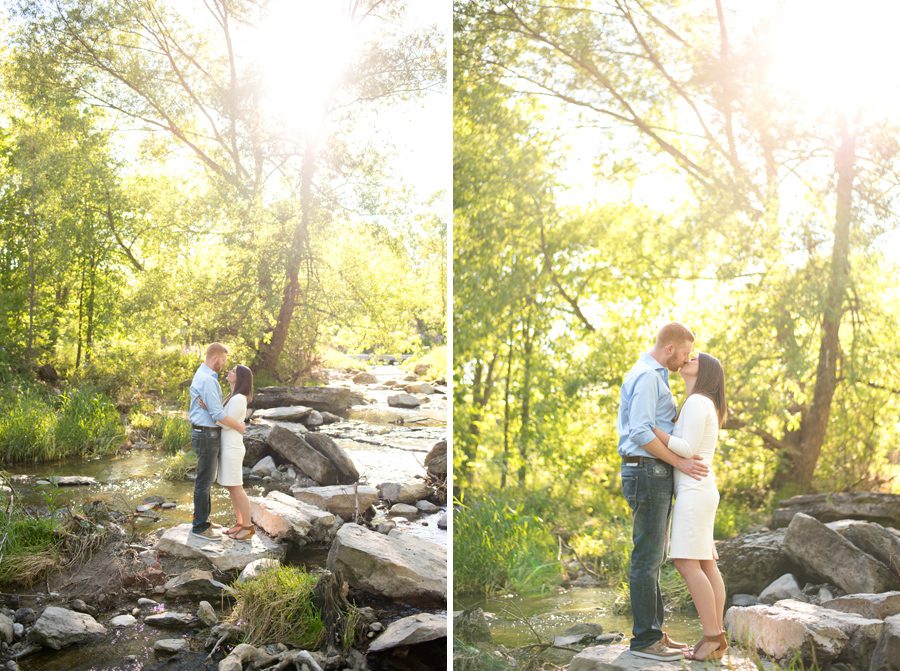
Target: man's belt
(197,427)
(640,460)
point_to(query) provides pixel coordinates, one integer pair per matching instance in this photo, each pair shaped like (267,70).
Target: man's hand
(693,467)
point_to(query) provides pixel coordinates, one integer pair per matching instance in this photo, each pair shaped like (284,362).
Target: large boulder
(617,657)
(824,552)
(291,413)
(785,587)
(410,492)
(60,627)
(419,388)
(224,555)
(886,656)
(364,378)
(336,400)
(790,628)
(868,506)
(284,517)
(256,443)
(291,448)
(399,567)
(411,630)
(750,562)
(328,448)
(873,539)
(875,606)
(342,500)
(436,460)
(403,401)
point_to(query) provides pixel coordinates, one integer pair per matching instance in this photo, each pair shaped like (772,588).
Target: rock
(314,419)
(886,656)
(7,631)
(80,606)
(224,555)
(60,627)
(426,507)
(419,388)
(873,539)
(436,460)
(123,621)
(422,368)
(18,630)
(407,493)
(72,481)
(868,506)
(256,438)
(265,466)
(403,401)
(329,418)
(195,583)
(284,517)
(170,645)
(154,500)
(585,581)
(292,413)
(364,378)
(785,587)
(750,562)
(376,627)
(25,615)
(411,630)
(743,600)
(206,614)
(390,491)
(442,523)
(386,527)
(328,448)
(404,568)
(583,632)
(617,657)
(811,632)
(471,626)
(336,400)
(143,602)
(253,569)
(826,553)
(294,450)
(873,606)
(403,509)
(48,373)
(340,499)
(168,505)
(171,620)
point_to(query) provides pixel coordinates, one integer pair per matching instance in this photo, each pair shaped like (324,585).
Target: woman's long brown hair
(711,383)
(243,384)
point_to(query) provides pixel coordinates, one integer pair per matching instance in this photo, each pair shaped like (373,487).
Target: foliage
(173,433)
(436,360)
(501,546)
(177,465)
(30,549)
(278,606)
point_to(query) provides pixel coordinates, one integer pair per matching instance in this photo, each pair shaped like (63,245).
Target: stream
(386,445)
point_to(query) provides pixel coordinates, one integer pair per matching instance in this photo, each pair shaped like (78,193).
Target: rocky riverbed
(343,482)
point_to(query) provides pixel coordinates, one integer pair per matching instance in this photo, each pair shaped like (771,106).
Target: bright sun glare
(839,55)
(303,47)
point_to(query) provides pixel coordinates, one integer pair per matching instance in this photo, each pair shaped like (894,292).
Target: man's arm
(224,419)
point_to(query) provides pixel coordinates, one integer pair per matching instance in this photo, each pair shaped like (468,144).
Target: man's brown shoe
(673,644)
(660,652)
(208,534)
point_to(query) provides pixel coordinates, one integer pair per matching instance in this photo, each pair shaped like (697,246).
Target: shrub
(178,465)
(497,545)
(278,607)
(172,433)
(27,429)
(30,550)
(87,424)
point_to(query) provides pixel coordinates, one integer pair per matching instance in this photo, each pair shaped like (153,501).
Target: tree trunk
(268,353)
(80,319)
(32,277)
(802,459)
(89,339)
(524,430)
(504,464)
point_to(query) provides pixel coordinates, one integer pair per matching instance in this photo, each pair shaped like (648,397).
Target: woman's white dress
(231,454)
(696,433)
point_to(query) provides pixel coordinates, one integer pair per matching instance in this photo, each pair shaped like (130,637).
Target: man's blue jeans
(206,447)
(648,489)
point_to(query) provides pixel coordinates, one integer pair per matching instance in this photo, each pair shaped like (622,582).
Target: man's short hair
(674,334)
(216,349)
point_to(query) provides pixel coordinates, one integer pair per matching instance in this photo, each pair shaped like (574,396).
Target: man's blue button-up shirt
(205,385)
(645,401)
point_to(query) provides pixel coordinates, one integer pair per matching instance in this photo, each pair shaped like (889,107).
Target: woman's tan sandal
(233,530)
(245,534)
(713,654)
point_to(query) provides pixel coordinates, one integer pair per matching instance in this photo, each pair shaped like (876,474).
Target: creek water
(386,444)
(517,620)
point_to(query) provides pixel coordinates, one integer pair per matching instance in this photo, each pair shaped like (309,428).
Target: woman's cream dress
(696,433)
(231,454)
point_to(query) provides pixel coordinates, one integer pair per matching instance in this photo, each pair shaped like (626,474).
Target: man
(206,434)
(647,482)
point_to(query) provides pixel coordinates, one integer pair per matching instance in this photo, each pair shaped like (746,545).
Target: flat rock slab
(225,554)
(617,657)
(336,400)
(403,401)
(410,631)
(869,506)
(338,499)
(292,413)
(874,606)
(399,567)
(791,628)
(72,481)
(325,445)
(293,449)
(283,516)
(195,582)
(171,620)
(60,627)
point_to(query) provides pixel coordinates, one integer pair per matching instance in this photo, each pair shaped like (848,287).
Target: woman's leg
(235,493)
(711,571)
(702,592)
(244,503)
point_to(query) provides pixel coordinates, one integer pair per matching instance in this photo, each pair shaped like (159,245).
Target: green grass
(173,434)
(30,551)
(178,465)
(278,607)
(499,546)
(435,357)
(77,423)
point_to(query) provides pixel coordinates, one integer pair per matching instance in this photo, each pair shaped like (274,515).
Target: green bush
(31,549)
(27,429)
(178,465)
(278,607)
(88,424)
(497,545)
(172,433)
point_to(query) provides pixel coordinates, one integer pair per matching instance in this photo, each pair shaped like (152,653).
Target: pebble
(168,505)
(25,616)
(18,630)
(144,602)
(123,621)
(171,645)
(376,626)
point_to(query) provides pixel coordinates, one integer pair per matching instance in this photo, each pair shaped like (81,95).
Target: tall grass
(278,607)
(79,422)
(172,433)
(499,546)
(30,549)
(178,465)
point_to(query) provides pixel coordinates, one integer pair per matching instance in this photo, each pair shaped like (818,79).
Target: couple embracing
(217,429)
(668,452)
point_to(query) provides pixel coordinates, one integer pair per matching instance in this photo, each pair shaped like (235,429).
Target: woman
(231,457)
(692,548)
